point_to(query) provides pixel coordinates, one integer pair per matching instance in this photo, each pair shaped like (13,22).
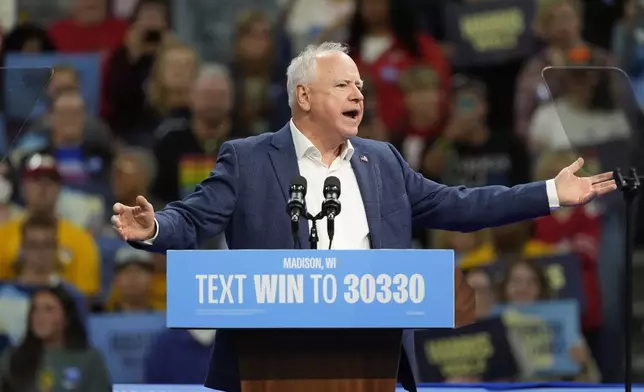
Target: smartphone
(152,37)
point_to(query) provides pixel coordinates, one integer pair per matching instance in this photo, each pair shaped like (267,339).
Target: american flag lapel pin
(364,159)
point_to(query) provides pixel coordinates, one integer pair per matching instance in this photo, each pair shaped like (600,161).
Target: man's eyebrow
(358,83)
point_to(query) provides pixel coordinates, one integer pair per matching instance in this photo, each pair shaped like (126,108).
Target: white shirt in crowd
(562,126)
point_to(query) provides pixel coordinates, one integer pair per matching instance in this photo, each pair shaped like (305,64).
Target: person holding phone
(130,65)
(471,151)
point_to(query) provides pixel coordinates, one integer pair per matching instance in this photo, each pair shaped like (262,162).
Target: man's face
(128,178)
(375,12)
(152,17)
(335,101)
(90,11)
(563,25)
(426,101)
(68,118)
(61,80)
(40,194)
(254,44)
(133,281)
(39,249)
(211,98)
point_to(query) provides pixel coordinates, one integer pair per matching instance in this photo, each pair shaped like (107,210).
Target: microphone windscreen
(299,181)
(332,181)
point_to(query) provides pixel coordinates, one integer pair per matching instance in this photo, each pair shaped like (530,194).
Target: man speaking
(246,194)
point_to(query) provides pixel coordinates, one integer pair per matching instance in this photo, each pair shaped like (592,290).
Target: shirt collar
(303,145)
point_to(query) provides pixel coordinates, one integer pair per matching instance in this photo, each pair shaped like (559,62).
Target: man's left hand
(573,190)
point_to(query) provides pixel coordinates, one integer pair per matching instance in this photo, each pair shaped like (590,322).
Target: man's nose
(356,95)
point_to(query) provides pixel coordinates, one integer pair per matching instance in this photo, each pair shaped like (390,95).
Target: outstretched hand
(573,190)
(134,223)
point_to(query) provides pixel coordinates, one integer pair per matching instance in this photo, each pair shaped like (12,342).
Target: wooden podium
(331,360)
(318,360)
(333,324)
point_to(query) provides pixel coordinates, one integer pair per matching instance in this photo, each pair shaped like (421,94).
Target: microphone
(295,206)
(331,205)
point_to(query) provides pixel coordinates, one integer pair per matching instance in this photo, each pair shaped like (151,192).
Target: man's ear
(303,98)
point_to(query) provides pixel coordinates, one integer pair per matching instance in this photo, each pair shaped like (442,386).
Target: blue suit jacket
(246,194)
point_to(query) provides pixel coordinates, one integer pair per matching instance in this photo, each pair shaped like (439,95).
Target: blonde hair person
(545,9)
(174,70)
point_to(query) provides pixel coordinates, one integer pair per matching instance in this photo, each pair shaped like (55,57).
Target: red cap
(41,165)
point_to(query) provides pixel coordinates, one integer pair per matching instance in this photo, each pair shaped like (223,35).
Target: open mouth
(353,114)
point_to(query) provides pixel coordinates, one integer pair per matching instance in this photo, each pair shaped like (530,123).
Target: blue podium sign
(310,289)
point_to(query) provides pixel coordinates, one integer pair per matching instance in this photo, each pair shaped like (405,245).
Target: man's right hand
(134,223)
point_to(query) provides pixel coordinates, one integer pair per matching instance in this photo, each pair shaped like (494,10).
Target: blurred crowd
(136,106)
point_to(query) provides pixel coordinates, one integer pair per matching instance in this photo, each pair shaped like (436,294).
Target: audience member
(525,282)
(576,230)
(559,24)
(55,353)
(26,38)
(507,242)
(168,91)
(471,151)
(186,151)
(584,114)
(39,263)
(420,126)
(480,281)
(66,77)
(261,102)
(130,65)
(385,41)
(132,286)
(78,254)
(188,363)
(133,171)
(90,28)
(81,161)
(38,267)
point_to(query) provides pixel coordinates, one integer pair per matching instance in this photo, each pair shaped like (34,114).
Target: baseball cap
(40,165)
(127,255)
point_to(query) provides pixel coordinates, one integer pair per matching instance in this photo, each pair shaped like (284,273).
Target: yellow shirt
(157,294)
(79,255)
(485,254)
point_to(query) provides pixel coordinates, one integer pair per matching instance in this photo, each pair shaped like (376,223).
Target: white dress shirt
(351,226)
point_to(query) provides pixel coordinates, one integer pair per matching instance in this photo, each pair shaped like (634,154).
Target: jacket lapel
(367,175)
(286,168)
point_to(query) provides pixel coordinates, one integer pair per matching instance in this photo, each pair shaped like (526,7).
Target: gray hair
(214,70)
(145,160)
(303,68)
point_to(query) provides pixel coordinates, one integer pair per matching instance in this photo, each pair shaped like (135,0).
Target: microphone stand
(313,236)
(629,185)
